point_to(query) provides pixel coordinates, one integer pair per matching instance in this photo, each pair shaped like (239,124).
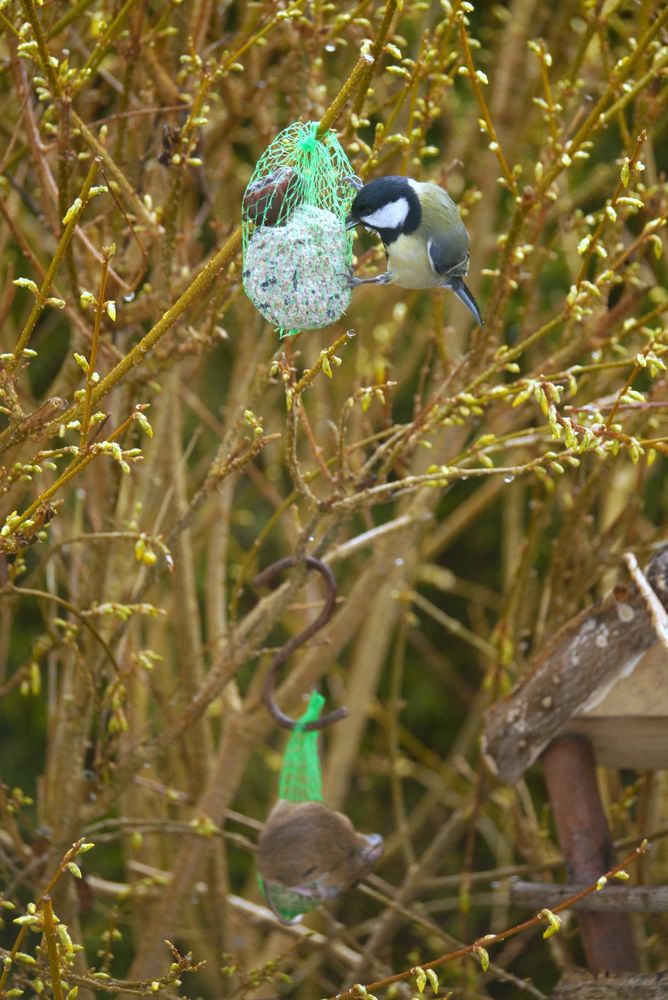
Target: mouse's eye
(309,871)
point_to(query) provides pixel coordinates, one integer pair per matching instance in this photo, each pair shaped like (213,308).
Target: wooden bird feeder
(596,695)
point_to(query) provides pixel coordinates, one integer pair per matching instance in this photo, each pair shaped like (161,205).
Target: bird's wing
(448,259)
(447,242)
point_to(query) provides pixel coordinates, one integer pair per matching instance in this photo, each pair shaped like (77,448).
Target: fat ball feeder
(297,254)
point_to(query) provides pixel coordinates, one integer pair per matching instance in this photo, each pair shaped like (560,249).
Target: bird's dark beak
(351,222)
(464,295)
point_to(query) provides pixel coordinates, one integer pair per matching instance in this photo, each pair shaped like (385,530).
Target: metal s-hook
(267,576)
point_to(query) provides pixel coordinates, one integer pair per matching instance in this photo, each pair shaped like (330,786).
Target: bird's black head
(390,205)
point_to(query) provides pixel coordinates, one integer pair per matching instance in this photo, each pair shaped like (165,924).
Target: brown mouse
(314,850)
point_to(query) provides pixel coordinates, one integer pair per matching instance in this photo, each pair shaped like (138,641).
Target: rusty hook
(266,576)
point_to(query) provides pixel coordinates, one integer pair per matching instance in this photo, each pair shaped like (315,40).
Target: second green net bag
(300,780)
(297,254)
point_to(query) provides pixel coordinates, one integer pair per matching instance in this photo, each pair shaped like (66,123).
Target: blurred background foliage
(471,489)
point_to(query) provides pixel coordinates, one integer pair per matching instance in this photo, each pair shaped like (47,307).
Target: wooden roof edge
(590,651)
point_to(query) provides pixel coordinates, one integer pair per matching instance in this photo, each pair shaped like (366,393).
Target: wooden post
(587,847)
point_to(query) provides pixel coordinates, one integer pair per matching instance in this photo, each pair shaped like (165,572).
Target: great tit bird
(425,241)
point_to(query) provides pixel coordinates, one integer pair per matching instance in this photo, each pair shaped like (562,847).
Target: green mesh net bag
(300,780)
(296,252)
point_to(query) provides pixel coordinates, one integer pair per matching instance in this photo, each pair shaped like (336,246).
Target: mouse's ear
(373,848)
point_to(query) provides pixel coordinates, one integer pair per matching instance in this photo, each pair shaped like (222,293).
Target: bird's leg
(379,279)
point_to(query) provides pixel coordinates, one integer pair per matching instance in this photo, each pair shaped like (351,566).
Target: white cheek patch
(390,216)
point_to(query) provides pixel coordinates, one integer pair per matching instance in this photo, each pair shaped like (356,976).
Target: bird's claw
(354,180)
(348,277)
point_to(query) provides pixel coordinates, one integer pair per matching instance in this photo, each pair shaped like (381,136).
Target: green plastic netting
(296,251)
(300,780)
